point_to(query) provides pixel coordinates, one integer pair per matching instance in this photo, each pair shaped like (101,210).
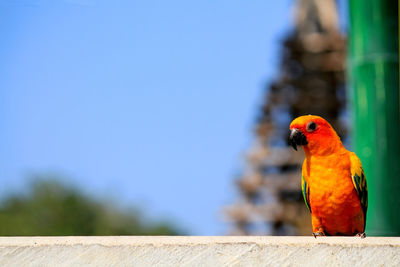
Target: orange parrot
(333,181)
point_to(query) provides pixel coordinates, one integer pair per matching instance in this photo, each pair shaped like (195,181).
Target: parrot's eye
(311,126)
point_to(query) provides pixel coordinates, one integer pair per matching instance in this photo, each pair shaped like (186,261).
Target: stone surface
(199,251)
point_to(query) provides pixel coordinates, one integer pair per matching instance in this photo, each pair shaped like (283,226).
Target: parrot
(333,182)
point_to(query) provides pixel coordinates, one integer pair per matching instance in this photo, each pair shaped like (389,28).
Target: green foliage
(51,208)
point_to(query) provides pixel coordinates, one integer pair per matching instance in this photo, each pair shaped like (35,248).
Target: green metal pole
(374,84)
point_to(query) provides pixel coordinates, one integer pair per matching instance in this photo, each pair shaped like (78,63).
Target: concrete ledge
(199,251)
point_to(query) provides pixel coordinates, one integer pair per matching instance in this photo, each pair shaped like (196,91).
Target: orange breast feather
(335,205)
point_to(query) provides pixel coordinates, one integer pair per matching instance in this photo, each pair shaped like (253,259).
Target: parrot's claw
(318,234)
(362,235)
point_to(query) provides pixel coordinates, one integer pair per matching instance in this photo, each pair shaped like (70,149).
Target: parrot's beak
(297,138)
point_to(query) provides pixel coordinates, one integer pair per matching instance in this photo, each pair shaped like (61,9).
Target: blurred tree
(311,81)
(52,208)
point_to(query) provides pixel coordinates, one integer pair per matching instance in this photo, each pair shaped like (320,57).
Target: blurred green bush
(50,207)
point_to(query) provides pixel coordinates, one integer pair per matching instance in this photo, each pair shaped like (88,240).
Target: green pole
(374,83)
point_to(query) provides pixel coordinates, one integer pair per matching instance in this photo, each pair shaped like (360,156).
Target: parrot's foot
(362,235)
(319,233)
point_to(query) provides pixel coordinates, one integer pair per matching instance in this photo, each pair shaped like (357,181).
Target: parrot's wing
(306,192)
(359,182)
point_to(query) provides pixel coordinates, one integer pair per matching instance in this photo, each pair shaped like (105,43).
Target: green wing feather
(359,182)
(306,192)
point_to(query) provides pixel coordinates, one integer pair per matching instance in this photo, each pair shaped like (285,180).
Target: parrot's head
(315,134)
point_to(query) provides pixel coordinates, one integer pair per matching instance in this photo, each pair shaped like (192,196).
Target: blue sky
(150,103)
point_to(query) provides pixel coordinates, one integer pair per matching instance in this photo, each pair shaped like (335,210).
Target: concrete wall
(199,251)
